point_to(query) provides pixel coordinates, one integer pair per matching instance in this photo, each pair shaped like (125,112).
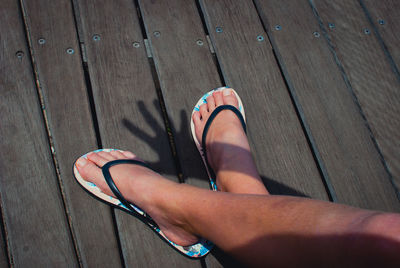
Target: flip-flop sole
(195,251)
(196,108)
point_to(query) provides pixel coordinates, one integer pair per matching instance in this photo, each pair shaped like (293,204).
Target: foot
(227,147)
(140,186)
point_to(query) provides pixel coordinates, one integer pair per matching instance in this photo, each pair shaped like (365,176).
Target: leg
(257,229)
(286,231)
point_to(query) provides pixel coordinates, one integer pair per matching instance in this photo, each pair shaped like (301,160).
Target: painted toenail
(227,91)
(81,162)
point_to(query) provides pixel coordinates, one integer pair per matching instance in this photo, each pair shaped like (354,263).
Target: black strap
(117,193)
(208,124)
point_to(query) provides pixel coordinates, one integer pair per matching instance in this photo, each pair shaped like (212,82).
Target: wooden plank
(128,113)
(62,82)
(385,15)
(370,75)
(352,162)
(37,228)
(248,65)
(186,71)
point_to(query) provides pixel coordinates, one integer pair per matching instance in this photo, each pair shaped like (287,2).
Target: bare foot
(140,186)
(228,150)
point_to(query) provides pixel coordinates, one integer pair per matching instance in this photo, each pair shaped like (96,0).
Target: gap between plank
(210,43)
(167,123)
(352,92)
(48,131)
(89,89)
(300,114)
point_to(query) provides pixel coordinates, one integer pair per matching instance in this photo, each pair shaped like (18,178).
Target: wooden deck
(319,80)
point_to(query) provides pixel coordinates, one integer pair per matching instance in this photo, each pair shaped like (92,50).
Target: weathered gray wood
(62,82)
(248,65)
(128,113)
(352,162)
(37,228)
(370,76)
(389,12)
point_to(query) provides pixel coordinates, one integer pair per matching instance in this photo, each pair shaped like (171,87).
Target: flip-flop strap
(115,190)
(210,120)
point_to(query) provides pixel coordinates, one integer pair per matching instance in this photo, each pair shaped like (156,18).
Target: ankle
(173,204)
(232,158)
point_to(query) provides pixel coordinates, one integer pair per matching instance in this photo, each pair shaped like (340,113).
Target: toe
(92,173)
(210,103)
(196,118)
(106,155)
(218,98)
(229,97)
(88,170)
(203,109)
(118,154)
(97,159)
(197,125)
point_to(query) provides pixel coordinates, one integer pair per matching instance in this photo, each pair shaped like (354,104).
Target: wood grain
(374,84)
(280,148)
(352,162)
(128,113)
(389,12)
(62,82)
(37,228)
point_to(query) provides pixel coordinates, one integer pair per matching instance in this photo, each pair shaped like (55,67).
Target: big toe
(90,171)
(230,97)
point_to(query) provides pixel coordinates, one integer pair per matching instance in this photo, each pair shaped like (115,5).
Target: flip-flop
(195,251)
(201,147)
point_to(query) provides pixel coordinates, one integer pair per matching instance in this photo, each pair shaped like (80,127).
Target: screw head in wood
(381,22)
(136,44)
(199,42)
(41,41)
(367,31)
(316,34)
(260,38)
(157,34)
(218,29)
(331,25)
(19,54)
(278,27)
(96,37)
(70,51)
